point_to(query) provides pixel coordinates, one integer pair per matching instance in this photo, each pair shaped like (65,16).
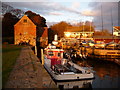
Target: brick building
(25,31)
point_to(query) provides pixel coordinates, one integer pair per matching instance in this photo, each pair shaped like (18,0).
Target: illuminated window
(67,34)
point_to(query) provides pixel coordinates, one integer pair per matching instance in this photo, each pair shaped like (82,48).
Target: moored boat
(63,69)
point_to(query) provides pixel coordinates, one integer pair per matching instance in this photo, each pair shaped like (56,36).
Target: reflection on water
(107,75)
(75,84)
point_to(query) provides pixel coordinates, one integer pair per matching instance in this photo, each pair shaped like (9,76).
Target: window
(59,54)
(25,33)
(25,20)
(118,33)
(50,53)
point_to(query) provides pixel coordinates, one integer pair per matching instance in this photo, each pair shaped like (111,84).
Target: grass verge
(9,56)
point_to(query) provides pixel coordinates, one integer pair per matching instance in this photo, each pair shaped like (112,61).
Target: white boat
(63,69)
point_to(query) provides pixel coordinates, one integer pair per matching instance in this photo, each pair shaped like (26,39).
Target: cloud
(106,11)
(75,5)
(49,8)
(51,23)
(88,13)
(26,1)
(43,7)
(55,13)
(40,7)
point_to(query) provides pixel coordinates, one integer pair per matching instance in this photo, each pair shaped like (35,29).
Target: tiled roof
(75,29)
(105,37)
(45,33)
(21,21)
(117,27)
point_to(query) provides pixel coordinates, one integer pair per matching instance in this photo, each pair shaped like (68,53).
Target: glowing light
(115,33)
(67,34)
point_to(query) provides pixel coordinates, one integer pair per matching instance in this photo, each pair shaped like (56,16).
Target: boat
(63,69)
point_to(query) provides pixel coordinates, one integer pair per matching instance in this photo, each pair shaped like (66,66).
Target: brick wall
(25,31)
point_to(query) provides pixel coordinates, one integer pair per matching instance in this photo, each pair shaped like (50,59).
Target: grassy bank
(9,56)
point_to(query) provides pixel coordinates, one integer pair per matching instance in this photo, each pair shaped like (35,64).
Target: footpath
(29,73)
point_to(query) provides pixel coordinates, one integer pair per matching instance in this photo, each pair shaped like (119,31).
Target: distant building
(76,32)
(73,35)
(25,31)
(116,30)
(106,39)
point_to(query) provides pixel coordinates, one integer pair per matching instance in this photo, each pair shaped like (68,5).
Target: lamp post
(83,28)
(91,26)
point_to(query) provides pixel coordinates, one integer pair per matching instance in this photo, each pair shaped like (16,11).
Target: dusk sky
(72,11)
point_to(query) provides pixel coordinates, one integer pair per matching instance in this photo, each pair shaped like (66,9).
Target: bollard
(36,50)
(42,57)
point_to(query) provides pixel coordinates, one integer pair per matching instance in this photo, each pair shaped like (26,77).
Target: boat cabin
(54,54)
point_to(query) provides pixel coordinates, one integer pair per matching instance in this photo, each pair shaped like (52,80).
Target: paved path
(29,73)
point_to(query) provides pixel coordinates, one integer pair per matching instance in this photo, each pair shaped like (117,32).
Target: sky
(72,11)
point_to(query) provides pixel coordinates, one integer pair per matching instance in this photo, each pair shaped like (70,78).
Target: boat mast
(112,28)
(83,30)
(90,27)
(111,21)
(112,25)
(102,22)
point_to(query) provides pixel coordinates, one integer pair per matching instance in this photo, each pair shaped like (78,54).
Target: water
(107,75)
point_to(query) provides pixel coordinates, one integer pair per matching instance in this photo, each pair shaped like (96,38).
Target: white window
(115,33)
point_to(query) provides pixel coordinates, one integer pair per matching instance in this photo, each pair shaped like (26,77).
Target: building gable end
(25,20)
